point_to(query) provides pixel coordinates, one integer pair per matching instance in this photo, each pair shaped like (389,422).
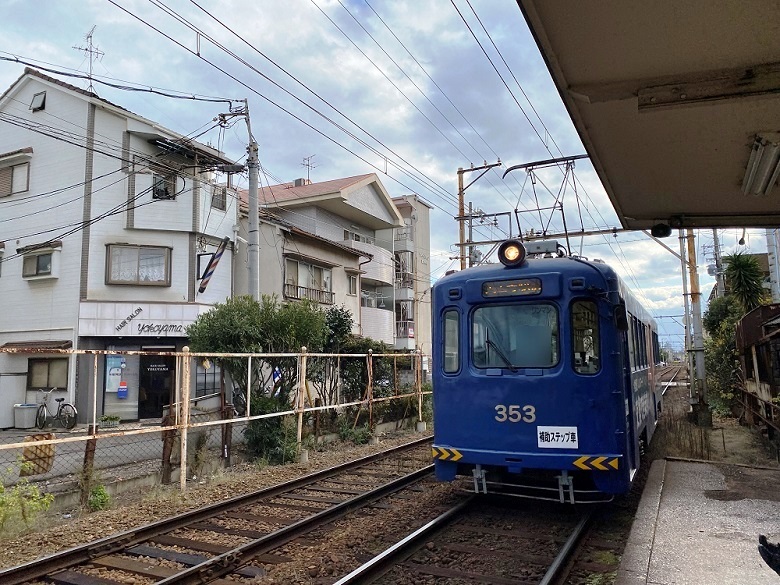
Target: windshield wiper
(510,365)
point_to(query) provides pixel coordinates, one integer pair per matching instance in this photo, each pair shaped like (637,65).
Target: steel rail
(384,561)
(230,561)
(568,548)
(120,541)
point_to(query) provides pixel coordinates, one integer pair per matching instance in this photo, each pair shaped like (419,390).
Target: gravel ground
(61,530)
(353,540)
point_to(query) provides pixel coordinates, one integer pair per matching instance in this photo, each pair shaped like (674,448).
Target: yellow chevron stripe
(582,462)
(597,463)
(434,453)
(456,455)
(614,463)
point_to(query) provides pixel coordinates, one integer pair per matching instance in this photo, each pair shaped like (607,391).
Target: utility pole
(701,409)
(462,207)
(721,290)
(774,267)
(253,249)
(471,246)
(252,166)
(687,318)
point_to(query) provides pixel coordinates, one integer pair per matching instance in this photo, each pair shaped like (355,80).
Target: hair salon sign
(137,319)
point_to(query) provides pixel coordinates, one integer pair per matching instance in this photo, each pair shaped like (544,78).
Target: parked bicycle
(66,412)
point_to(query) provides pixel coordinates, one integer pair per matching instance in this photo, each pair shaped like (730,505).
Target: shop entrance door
(156,384)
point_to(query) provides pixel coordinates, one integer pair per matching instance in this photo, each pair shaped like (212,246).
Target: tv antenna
(92,52)
(309,164)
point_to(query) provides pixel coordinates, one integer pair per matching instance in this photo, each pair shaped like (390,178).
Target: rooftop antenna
(307,162)
(93,52)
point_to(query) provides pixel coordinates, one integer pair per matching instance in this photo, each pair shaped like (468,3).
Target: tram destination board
(512,288)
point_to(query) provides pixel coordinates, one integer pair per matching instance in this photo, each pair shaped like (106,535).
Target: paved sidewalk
(698,524)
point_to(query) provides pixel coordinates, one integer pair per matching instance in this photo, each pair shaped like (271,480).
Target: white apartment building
(412,286)
(393,236)
(107,221)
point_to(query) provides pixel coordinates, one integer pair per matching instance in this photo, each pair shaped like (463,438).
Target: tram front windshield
(515,336)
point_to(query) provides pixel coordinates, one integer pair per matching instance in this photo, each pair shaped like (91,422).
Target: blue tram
(543,376)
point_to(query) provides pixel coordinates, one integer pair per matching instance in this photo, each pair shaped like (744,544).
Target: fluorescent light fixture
(763,167)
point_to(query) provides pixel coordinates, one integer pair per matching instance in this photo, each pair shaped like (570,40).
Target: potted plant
(108,421)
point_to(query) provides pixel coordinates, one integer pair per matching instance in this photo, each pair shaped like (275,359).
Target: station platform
(698,524)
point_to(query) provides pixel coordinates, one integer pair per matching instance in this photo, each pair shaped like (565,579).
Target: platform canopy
(676,104)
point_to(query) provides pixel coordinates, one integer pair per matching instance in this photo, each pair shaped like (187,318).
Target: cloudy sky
(411,90)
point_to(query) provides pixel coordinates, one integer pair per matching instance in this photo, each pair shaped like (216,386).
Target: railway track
(235,537)
(483,540)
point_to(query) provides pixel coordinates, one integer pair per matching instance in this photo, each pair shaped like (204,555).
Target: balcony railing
(293,291)
(404,329)
(404,280)
(406,233)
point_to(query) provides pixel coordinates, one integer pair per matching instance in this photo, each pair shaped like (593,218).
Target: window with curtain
(144,265)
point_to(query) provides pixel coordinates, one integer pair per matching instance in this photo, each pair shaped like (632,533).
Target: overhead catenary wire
(449,197)
(269,100)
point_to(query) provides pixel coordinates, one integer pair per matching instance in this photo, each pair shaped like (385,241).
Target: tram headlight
(511,253)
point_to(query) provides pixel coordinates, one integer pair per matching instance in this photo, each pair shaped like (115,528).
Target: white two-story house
(393,235)
(107,221)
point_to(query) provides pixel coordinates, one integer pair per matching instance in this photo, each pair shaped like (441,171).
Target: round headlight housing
(511,253)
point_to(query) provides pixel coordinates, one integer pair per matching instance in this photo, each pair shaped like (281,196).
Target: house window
(14,179)
(163,186)
(353,285)
(307,281)
(144,265)
(38,102)
(219,198)
(37,265)
(47,373)
(208,380)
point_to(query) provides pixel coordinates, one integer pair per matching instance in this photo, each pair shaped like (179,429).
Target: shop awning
(39,346)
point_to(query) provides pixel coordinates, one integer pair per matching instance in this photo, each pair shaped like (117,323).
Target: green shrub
(273,439)
(98,498)
(22,500)
(360,435)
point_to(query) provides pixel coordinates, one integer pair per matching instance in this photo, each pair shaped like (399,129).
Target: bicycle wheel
(68,416)
(40,417)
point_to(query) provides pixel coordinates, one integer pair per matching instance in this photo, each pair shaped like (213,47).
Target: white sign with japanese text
(557,437)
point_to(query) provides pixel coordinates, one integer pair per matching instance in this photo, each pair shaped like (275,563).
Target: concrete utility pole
(774,266)
(252,165)
(688,344)
(462,207)
(701,410)
(718,265)
(253,248)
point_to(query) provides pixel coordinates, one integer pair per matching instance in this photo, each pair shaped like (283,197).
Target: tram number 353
(515,413)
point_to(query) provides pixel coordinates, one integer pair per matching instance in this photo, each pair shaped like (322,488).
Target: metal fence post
(248,387)
(184,419)
(370,389)
(94,390)
(301,395)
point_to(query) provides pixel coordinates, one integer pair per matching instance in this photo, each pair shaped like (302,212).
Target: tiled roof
(288,192)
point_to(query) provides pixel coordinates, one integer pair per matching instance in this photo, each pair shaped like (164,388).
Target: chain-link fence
(221,409)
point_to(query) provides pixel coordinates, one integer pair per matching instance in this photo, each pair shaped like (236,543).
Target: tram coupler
(479,477)
(565,481)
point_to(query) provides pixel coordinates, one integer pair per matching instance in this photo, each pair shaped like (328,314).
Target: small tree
(720,354)
(744,280)
(242,325)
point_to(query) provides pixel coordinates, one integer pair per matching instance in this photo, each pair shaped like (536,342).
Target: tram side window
(451,341)
(585,329)
(632,341)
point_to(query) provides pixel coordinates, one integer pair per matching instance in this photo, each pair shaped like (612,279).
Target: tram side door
(628,399)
